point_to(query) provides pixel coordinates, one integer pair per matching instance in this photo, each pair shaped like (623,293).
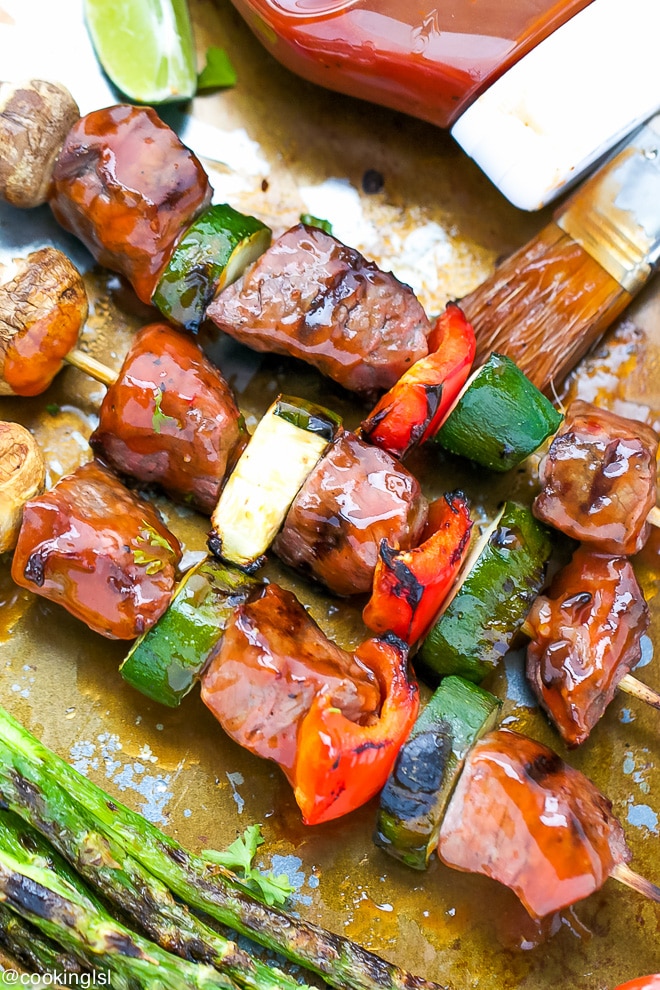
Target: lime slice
(146,47)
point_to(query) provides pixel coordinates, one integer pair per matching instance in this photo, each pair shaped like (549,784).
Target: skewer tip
(654,516)
(629,878)
(637,689)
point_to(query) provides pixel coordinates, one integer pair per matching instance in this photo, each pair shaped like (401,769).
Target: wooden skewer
(629,878)
(654,516)
(637,689)
(90,366)
(628,683)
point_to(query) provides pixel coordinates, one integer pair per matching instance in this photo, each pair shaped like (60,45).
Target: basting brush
(553,299)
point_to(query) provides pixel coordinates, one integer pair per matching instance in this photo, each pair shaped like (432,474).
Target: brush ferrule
(615,215)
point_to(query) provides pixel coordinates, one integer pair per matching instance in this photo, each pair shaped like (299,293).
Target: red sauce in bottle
(426,60)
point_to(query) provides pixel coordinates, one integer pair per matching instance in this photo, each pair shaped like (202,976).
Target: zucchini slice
(287,443)
(499,581)
(165,662)
(213,252)
(500,418)
(414,799)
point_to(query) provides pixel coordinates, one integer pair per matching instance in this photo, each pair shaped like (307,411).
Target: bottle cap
(566,103)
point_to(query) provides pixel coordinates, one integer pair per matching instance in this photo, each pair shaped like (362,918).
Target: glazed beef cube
(599,479)
(356,496)
(311,297)
(105,555)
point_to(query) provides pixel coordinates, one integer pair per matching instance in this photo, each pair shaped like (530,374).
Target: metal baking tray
(280,147)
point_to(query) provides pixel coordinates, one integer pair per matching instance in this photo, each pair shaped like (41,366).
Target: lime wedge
(146,47)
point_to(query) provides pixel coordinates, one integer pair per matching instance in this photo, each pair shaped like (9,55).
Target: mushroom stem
(654,516)
(629,878)
(634,687)
(90,366)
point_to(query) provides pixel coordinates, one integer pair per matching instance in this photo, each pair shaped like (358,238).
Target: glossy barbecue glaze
(126,186)
(170,419)
(599,479)
(103,553)
(356,496)
(315,298)
(333,720)
(586,636)
(43,306)
(522,816)
(271,653)
(452,927)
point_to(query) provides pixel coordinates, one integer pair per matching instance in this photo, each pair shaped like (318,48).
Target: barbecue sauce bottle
(518,81)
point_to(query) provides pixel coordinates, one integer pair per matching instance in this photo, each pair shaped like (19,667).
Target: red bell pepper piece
(410,586)
(341,764)
(642,983)
(416,407)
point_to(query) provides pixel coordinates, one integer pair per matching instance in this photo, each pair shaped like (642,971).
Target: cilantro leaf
(154,564)
(239,855)
(313,221)
(154,539)
(238,858)
(159,417)
(274,890)
(218,71)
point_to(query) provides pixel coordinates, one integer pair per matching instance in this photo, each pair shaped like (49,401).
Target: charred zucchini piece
(498,583)
(414,799)
(287,443)
(213,252)
(500,418)
(166,661)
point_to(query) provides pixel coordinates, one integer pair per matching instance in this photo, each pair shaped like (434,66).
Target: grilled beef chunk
(311,297)
(522,816)
(170,419)
(271,663)
(586,635)
(356,496)
(599,479)
(105,555)
(127,188)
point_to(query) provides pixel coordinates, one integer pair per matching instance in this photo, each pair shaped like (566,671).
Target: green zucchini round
(213,252)
(500,419)
(491,601)
(165,662)
(414,799)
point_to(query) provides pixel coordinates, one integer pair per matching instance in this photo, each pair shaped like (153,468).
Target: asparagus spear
(32,779)
(142,898)
(64,912)
(34,951)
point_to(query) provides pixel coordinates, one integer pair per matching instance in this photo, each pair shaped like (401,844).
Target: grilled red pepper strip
(410,586)
(341,764)
(415,408)
(642,983)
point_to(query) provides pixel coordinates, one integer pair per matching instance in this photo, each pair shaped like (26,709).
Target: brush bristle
(544,307)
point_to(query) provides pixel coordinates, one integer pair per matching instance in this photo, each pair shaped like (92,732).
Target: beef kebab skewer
(44,300)
(364,698)
(99,215)
(144,213)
